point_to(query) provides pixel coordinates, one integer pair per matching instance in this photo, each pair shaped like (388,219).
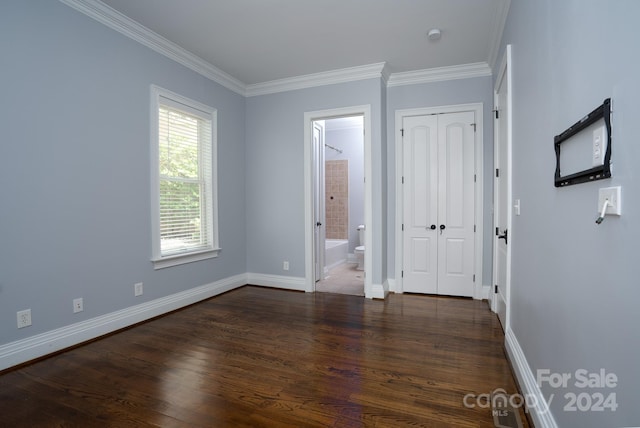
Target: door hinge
(402,132)
(497,173)
(497,231)
(474,127)
(403,179)
(475,178)
(401,274)
(403,227)
(495,290)
(495,110)
(474,278)
(474,228)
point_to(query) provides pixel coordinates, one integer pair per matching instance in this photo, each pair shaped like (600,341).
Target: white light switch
(599,145)
(614,195)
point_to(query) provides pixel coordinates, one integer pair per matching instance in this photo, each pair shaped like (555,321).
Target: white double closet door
(439,204)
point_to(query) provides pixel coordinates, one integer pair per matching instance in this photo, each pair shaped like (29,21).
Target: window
(183,147)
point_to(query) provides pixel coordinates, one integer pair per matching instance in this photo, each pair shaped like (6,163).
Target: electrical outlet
(78,305)
(24,318)
(137,289)
(285,265)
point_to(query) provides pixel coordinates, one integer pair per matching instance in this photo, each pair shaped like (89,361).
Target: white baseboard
(378,291)
(392,285)
(541,415)
(23,350)
(277,281)
(486,290)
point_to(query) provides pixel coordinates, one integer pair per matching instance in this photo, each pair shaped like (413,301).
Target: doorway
(439,201)
(502,193)
(339,204)
(316,203)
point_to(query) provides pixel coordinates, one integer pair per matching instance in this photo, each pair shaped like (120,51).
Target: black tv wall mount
(598,172)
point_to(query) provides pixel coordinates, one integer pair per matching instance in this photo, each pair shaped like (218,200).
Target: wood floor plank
(256,357)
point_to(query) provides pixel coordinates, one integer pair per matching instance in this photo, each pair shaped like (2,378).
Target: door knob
(505,237)
(442,227)
(433,227)
(318,224)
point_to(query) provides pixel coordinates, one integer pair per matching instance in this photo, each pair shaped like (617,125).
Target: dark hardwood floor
(257,357)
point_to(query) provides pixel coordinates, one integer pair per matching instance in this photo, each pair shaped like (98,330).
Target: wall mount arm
(598,172)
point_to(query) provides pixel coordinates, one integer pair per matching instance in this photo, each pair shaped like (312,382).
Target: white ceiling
(257,41)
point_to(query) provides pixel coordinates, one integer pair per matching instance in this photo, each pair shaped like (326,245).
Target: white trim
(504,73)
(343,75)
(392,285)
(498,29)
(277,281)
(541,415)
(23,350)
(161,96)
(486,293)
(116,21)
(379,291)
(477,108)
(309,117)
(180,259)
(464,71)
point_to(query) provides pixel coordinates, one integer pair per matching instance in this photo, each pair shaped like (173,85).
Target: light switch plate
(614,194)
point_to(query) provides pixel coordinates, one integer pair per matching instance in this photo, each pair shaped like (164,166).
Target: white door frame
(400,114)
(309,117)
(319,214)
(504,73)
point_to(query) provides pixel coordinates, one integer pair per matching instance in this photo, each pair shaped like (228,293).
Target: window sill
(180,259)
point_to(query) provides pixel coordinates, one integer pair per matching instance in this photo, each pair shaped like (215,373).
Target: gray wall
(575,285)
(351,142)
(74,169)
(463,91)
(275,172)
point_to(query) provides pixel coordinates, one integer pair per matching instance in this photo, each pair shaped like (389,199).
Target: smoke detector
(434,34)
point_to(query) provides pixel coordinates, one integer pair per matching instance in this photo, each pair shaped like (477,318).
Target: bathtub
(335,253)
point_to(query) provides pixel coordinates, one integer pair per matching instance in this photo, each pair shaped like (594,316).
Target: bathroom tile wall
(337,199)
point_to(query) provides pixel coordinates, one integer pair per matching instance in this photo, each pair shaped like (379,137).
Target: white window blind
(185,182)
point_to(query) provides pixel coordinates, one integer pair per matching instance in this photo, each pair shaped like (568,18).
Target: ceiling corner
(113,19)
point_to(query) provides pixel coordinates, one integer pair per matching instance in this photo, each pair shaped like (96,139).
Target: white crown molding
(498,28)
(465,71)
(386,74)
(115,20)
(343,75)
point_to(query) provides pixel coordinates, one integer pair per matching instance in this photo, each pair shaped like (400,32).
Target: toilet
(359,251)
